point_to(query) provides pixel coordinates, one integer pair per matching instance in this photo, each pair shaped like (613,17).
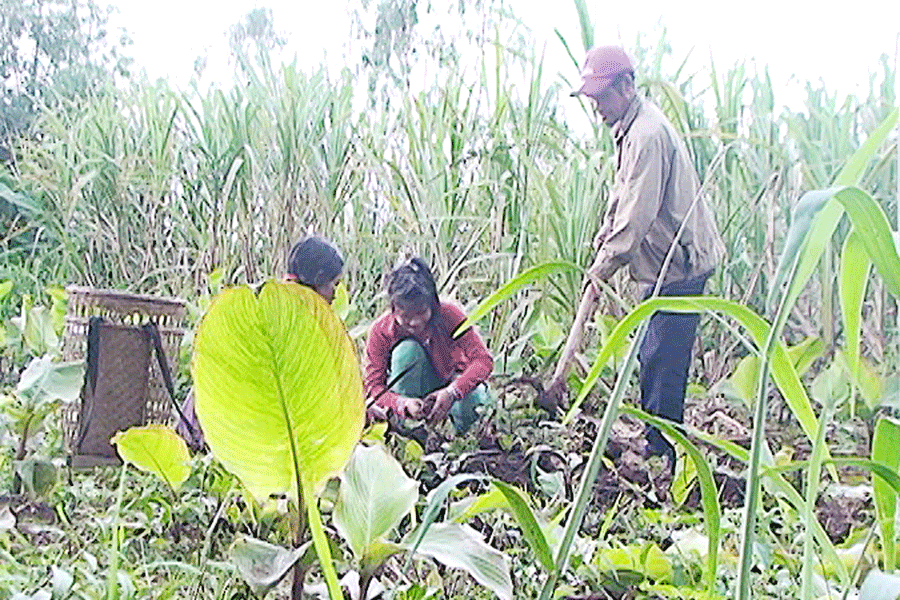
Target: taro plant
(375,496)
(43,385)
(279,396)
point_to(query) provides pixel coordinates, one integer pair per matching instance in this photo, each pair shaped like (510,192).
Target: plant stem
(299,533)
(859,563)
(812,492)
(20,454)
(112,575)
(207,542)
(759,426)
(593,465)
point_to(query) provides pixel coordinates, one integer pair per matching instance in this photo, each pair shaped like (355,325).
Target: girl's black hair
(315,261)
(412,282)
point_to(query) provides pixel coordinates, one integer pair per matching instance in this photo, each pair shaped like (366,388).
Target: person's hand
(410,408)
(376,412)
(442,400)
(600,239)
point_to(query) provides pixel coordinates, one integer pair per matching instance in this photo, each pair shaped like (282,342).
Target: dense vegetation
(152,189)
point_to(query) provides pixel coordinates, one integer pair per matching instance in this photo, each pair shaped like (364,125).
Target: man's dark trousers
(665,358)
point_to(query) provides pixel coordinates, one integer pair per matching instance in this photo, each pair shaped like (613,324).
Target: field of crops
(787,480)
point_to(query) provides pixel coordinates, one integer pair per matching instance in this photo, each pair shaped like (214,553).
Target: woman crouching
(412,348)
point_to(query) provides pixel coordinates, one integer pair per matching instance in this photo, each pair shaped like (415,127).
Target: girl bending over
(432,374)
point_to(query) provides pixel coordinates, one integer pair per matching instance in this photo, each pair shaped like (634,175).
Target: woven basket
(130,373)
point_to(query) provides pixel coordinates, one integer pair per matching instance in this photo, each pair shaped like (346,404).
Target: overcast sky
(802,38)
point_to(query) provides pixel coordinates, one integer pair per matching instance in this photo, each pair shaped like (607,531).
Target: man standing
(655,204)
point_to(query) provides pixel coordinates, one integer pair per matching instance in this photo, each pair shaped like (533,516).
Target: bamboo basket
(134,391)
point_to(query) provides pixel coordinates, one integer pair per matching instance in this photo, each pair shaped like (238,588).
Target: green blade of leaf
(805,353)
(855,167)
(709,497)
(885,443)
(816,217)
(855,268)
(465,509)
(374,496)
(436,499)
(512,286)
(461,547)
(585,25)
(532,531)
(868,217)
(156,449)
(783,371)
(814,220)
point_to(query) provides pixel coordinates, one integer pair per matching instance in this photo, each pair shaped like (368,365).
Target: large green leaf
(156,449)
(44,379)
(375,494)
(461,547)
(278,387)
(885,443)
(279,394)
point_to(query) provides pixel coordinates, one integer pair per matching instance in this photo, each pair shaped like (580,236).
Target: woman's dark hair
(411,283)
(315,261)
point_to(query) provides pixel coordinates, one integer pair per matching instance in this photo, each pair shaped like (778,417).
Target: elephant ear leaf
(156,449)
(278,387)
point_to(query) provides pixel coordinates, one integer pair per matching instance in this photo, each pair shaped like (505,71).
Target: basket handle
(152,332)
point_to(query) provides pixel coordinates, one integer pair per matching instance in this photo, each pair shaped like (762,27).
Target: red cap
(601,65)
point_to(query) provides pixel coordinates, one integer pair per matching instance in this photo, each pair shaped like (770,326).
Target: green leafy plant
(42,386)
(376,494)
(279,396)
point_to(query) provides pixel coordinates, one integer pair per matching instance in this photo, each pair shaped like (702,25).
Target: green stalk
(812,493)
(112,575)
(203,555)
(595,460)
(748,530)
(320,541)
